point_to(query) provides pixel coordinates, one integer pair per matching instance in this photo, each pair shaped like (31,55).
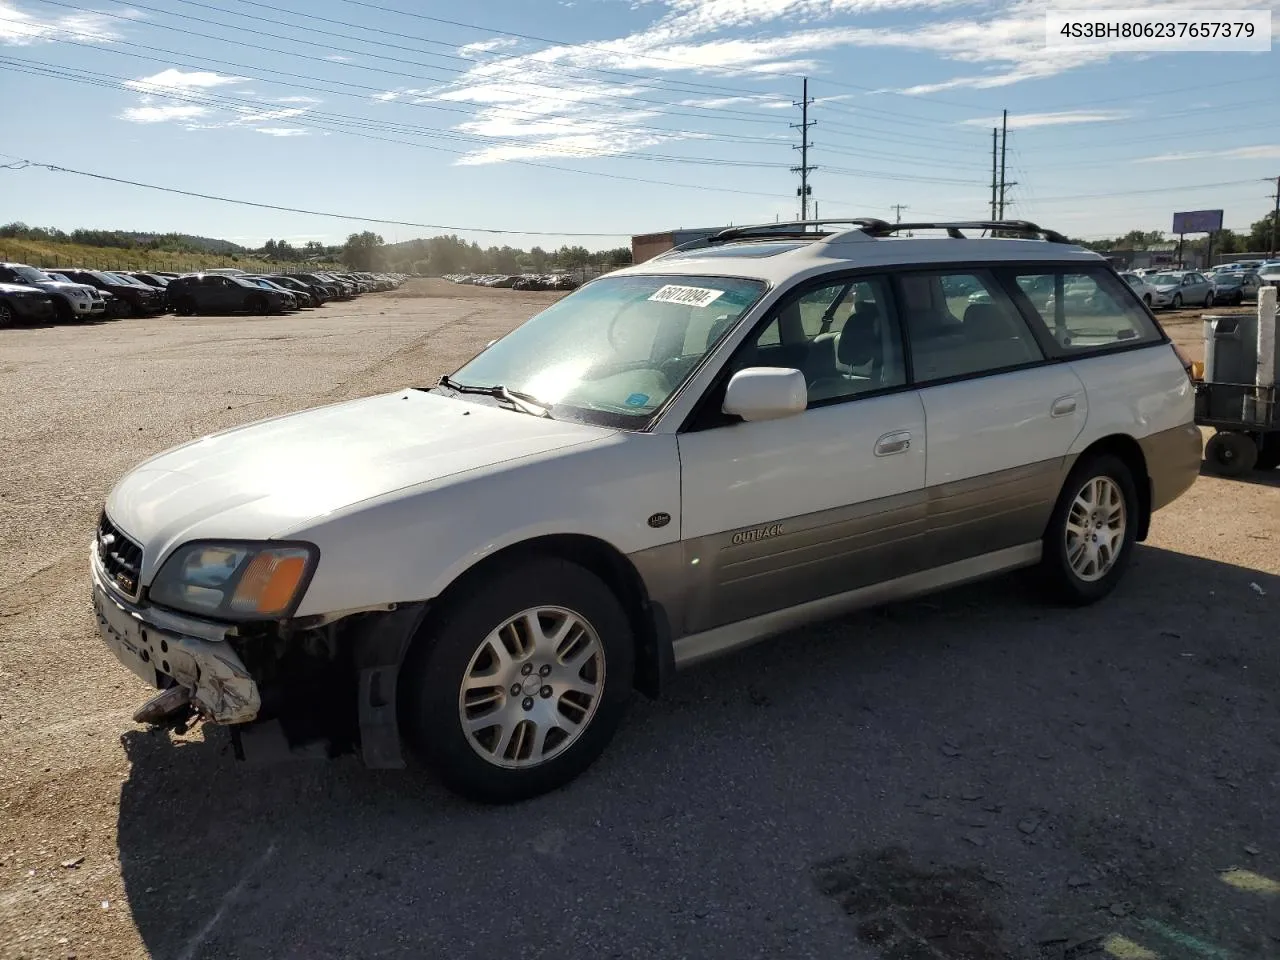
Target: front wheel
(519,683)
(184,307)
(6,315)
(1146,298)
(257,304)
(1090,534)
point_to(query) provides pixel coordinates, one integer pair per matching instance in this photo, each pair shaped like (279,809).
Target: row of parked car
(32,295)
(1228,283)
(545,281)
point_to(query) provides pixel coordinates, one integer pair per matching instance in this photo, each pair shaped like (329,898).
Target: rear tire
(1208,300)
(443,690)
(1177,301)
(6,315)
(1090,534)
(1231,454)
(184,307)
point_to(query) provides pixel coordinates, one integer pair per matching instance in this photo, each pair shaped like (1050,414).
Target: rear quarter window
(1082,311)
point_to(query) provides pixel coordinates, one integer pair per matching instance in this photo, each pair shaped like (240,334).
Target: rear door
(999,416)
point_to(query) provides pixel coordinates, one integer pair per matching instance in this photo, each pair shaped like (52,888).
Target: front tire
(185,307)
(520,681)
(1090,535)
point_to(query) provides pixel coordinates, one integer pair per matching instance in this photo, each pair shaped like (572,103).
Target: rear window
(1085,310)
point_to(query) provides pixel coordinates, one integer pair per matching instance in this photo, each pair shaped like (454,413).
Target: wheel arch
(655,661)
(1128,451)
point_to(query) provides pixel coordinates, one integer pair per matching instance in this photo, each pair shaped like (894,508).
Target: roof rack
(868,226)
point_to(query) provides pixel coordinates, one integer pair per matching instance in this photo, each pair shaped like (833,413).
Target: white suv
(776,425)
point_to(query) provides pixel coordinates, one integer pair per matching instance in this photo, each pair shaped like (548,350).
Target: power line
(22,164)
(528,163)
(736,115)
(220,100)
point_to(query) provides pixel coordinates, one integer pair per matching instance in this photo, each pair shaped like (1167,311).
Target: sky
(588,121)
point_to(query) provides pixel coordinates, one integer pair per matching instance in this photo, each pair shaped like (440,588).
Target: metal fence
(112,259)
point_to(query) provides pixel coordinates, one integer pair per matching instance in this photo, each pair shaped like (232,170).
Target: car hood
(1165,287)
(64,286)
(266,478)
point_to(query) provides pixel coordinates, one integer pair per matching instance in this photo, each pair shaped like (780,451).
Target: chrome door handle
(892,443)
(1062,407)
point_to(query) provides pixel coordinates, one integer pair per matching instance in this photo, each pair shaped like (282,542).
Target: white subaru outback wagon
(776,425)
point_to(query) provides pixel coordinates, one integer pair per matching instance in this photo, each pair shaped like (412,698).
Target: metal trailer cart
(1247,420)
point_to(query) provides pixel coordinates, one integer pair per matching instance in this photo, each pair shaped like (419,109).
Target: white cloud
(283,131)
(298,100)
(486,46)
(170,81)
(248,116)
(149,114)
(1260,152)
(1020,121)
(338,58)
(19,28)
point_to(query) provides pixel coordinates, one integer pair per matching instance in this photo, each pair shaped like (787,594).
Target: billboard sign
(1197,221)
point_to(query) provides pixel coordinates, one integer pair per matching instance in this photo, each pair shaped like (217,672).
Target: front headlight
(235,581)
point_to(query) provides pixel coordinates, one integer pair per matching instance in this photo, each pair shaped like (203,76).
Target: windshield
(32,274)
(243,283)
(112,278)
(1165,279)
(615,350)
(60,278)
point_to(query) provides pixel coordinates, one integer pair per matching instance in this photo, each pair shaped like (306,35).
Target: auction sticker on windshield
(689,296)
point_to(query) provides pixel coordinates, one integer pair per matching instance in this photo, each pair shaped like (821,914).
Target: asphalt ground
(971,776)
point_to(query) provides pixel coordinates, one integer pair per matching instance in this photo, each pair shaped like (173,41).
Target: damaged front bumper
(164,649)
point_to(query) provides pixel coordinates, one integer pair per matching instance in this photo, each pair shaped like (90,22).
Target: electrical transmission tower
(804,191)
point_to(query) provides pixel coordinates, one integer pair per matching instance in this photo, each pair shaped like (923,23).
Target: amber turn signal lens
(270,582)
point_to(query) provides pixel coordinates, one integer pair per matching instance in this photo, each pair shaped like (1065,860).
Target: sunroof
(744,250)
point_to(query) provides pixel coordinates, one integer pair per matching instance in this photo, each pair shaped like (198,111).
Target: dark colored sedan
(308,295)
(333,290)
(22,304)
(215,293)
(150,279)
(137,298)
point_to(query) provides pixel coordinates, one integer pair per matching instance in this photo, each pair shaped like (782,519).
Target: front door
(777,513)
(999,419)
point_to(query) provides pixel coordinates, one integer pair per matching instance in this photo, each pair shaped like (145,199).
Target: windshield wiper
(519,400)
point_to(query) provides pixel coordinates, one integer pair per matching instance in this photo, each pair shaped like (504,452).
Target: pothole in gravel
(908,912)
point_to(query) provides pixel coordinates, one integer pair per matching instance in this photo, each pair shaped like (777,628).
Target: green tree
(362,251)
(1260,234)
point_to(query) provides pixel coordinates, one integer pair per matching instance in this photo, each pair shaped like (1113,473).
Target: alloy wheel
(532,687)
(1095,529)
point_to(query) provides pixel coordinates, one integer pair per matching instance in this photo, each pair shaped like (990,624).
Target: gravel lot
(975,772)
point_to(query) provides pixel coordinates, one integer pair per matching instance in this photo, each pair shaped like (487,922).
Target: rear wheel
(517,686)
(184,306)
(1146,298)
(256,304)
(1177,301)
(1090,534)
(1231,454)
(6,315)
(1208,299)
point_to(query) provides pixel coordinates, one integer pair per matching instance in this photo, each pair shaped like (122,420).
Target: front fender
(410,545)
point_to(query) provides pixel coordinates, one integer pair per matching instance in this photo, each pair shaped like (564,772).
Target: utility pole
(804,190)
(994,134)
(1275,218)
(897,209)
(1004,184)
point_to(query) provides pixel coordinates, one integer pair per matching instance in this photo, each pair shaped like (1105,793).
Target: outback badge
(759,533)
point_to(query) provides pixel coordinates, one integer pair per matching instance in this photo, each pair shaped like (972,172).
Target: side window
(962,324)
(1086,310)
(842,336)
